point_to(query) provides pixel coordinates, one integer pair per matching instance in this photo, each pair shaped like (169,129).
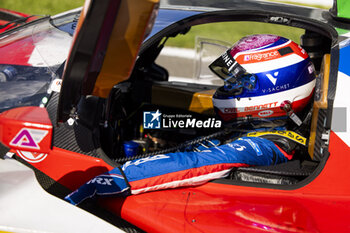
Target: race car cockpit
(263,111)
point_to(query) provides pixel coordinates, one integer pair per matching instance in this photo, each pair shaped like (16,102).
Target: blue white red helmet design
(262,72)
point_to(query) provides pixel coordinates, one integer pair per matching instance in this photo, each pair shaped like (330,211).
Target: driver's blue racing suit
(180,169)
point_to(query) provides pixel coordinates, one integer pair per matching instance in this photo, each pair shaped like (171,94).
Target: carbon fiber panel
(320,146)
(76,138)
(3,150)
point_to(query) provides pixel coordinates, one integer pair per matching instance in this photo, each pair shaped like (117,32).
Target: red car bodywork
(319,206)
(11,19)
(212,207)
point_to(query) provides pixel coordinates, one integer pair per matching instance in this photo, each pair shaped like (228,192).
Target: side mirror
(26,129)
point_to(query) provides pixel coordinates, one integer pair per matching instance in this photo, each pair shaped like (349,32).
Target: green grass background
(41,7)
(233,31)
(229,32)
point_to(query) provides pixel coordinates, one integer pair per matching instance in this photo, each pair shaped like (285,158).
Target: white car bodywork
(26,207)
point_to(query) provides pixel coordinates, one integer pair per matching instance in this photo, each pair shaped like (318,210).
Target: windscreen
(32,57)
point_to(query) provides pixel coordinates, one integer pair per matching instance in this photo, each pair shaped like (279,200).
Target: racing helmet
(266,77)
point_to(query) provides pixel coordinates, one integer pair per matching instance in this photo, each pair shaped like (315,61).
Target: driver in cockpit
(269,81)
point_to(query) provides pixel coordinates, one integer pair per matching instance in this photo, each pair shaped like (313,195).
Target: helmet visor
(227,68)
